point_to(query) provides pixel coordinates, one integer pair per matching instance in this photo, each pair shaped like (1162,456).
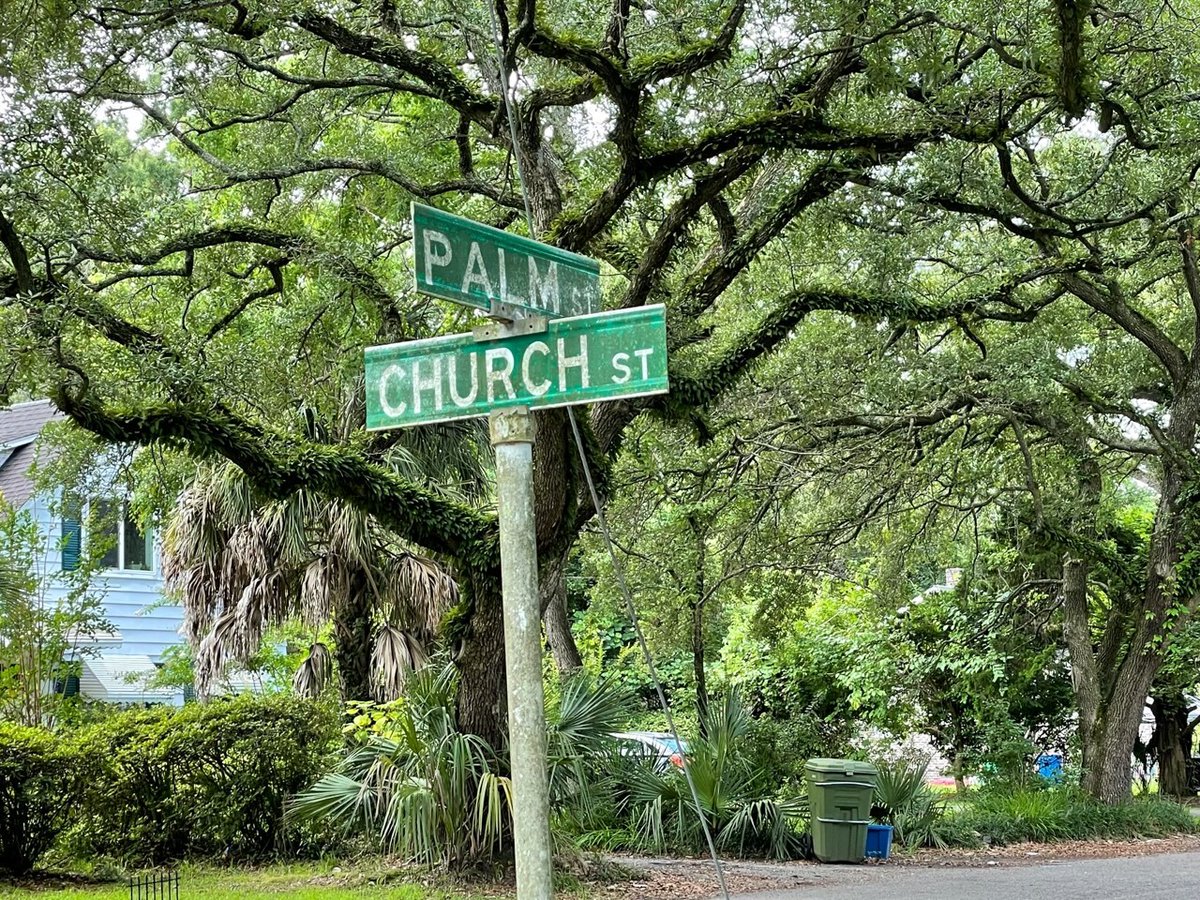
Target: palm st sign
(550,347)
(490,269)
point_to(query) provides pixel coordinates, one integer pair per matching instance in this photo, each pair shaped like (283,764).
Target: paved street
(1159,877)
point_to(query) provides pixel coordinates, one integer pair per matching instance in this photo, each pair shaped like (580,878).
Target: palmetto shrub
(660,812)
(435,795)
(904,801)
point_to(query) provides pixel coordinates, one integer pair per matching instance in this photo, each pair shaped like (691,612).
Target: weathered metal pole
(512,434)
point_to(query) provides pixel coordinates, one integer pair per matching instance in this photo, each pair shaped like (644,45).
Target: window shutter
(72,531)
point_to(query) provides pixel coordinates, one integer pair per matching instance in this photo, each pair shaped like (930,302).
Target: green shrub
(39,774)
(904,801)
(423,789)
(779,748)
(204,780)
(659,811)
(1008,817)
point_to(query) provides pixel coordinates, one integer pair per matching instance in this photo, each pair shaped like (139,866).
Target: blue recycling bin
(1050,767)
(879,841)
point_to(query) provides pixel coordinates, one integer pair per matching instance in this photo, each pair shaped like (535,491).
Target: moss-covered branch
(279,465)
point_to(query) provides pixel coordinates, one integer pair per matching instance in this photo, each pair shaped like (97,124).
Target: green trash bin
(839,796)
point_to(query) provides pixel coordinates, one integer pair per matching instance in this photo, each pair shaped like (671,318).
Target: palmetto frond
(314,673)
(397,655)
(428,792)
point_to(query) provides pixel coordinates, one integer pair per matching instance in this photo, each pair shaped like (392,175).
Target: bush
(423,789)
(1008,817)
(744,817)
(779,748)
(904,801)
(205,780)
(39,773)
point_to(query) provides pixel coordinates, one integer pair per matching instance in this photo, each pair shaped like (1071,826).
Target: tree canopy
(948,251)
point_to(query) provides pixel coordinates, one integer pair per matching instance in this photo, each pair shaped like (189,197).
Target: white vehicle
(658,746)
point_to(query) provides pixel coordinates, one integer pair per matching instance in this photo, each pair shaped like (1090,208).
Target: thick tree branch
(280,465)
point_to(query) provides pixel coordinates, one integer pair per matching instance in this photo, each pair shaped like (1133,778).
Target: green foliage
(204,780)
(904,801)
(40,774)
(433,794)
(424,789)
(47,621)
(778,749)
(1060,814)
(743,817)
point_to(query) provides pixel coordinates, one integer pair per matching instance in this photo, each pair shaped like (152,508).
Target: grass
(1061,814)
(300,881)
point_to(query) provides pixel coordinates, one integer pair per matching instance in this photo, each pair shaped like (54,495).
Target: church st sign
(578,360)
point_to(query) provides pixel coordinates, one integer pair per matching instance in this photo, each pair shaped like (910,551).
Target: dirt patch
(689,879)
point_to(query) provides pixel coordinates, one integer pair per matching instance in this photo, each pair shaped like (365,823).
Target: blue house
(129,582)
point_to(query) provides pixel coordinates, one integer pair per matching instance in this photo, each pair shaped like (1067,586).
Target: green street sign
(477,265)
(579,360)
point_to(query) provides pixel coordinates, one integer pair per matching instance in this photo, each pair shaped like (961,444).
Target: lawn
(305,882)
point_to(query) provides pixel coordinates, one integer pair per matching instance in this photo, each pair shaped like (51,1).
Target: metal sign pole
(512,434)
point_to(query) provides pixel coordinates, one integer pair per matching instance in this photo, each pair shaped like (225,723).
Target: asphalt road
(1160,877)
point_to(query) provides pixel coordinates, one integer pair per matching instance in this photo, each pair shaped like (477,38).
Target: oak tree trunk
(1172,743)
(1108,755)
(482,706)
(553,590)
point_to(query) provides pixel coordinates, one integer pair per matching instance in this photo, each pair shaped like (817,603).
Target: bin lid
(841,767)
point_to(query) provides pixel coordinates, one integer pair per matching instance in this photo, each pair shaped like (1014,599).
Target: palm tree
(242,563)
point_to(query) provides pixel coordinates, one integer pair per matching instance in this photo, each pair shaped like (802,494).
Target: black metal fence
(154,886)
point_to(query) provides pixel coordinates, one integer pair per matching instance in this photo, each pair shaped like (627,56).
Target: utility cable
(618,569)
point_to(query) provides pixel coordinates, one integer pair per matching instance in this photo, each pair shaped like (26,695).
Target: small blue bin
(879,841)
(1050,767)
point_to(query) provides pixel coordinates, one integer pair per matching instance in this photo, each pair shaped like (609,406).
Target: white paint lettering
(463,400)
(621,364)
(503,374)
(420,384)
(572,362)
(536,389)
(436,259)
(389,373)
(476,272)
(644,356)
(543,289)
(505,297)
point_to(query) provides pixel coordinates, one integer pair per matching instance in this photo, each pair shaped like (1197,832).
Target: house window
(129,548)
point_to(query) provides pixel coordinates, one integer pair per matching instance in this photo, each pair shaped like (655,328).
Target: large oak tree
(203,212)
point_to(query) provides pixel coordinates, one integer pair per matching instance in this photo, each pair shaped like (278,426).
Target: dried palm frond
(193,534)
(232,494)
(350,535)
(418,592)
(397,655)
(315,672)
(243,564)
(324,582)
(290,518)
(213,651)
(201,594)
